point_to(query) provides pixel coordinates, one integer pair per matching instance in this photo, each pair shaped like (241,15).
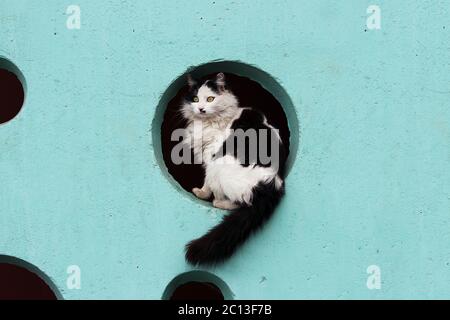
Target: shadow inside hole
(250,94)
(197,291)
(20,280)
(12,93)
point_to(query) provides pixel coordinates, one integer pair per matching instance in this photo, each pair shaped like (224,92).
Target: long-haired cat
(250,188)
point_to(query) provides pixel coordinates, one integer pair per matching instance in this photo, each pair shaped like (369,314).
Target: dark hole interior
(197,291)
(17,283)
(11,95)
(249,93)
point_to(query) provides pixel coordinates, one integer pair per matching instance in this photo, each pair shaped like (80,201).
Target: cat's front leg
(204,193)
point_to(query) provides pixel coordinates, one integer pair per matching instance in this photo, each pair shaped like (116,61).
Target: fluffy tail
(223,240)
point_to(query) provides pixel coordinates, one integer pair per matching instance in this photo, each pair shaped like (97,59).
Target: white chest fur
(207,137)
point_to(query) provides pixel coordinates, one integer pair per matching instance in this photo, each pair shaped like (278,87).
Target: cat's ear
(220,80)
(191,82)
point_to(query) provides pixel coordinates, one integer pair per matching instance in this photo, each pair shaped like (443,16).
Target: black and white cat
(243,184)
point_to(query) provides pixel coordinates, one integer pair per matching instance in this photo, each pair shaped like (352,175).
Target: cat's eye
(211,99)
(195,99)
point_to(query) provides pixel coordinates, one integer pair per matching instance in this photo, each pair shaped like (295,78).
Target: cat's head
(208,99)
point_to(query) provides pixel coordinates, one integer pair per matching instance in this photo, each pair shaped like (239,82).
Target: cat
(248,187)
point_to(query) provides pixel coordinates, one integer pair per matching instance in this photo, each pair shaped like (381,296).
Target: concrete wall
(80,182)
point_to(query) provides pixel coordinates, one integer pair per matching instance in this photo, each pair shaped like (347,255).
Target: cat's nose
(202,110)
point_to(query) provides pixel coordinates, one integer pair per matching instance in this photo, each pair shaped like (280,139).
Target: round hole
(197,285)
(252,86)
(20,280)
(12,93)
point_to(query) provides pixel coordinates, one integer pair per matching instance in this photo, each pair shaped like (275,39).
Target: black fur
(193,90)
(254,119)
(213,86)
(221,242)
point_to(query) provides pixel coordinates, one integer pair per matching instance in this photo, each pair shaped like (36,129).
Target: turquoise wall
(80,183)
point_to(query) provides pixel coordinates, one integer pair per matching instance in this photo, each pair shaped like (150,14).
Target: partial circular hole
(252,86)
(20,280)
(197,285)
(12,93)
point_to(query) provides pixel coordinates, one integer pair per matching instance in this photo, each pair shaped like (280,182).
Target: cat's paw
(199,193)
(225,205)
